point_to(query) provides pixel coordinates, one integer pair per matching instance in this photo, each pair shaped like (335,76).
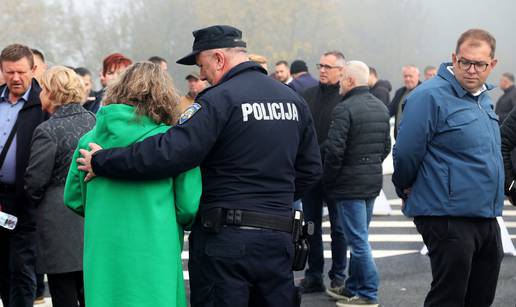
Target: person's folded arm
(165,155)
(508,131)
(416,131)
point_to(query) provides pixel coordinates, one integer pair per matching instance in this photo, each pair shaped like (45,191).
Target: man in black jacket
(503,108)
(508,131)
(322,99)
(379,88)
(358,142)
(255,142)
(508,100)
(20,112)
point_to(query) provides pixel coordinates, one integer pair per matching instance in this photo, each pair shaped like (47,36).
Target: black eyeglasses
(327,67)
(465,65)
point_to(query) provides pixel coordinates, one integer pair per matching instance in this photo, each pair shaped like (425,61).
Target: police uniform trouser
(17,259)
(241,267)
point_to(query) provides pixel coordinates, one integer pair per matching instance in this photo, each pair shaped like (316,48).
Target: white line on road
(401,224)
(387,238)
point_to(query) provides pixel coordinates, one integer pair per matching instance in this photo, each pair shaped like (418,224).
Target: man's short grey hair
(231,50)
(341,60)
(407,67)
(509,76)
(358,71)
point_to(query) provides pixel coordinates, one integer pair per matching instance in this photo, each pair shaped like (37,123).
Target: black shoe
(308,285)
(337,283)
(340,293)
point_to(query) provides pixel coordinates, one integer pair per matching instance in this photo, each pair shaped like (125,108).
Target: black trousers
(465,256)
(66,289)
(17,258)
(241,267)
(40,285)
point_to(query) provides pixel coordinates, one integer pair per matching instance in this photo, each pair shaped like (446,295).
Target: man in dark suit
(410,81)
(20,114)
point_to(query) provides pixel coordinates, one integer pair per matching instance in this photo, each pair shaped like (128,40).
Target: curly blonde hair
(63,85)
(149,89)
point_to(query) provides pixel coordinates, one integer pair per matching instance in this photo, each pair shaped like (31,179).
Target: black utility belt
(213,219)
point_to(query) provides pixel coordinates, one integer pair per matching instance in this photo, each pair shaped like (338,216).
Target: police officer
(255,142)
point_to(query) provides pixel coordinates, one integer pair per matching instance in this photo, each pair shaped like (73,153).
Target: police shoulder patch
(189,112)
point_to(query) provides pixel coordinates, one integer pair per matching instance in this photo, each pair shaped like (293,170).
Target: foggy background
(386,34)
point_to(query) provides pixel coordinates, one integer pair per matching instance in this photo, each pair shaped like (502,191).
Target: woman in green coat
(133,231)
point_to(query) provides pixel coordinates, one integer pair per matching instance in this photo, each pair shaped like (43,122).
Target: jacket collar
(248,65)
(33,96)
(356,91)
(330,87)
(446,74)
(68,109)
(510,88)
(244,66)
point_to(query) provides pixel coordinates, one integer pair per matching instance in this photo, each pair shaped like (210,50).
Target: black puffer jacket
(506,103)
(358,142)
(508,130)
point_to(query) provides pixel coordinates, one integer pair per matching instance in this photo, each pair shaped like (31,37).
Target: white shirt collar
(477,93)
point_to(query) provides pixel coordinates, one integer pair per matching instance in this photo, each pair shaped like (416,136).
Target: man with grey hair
(322,99)
(410,81)
(358,142)
(508,100)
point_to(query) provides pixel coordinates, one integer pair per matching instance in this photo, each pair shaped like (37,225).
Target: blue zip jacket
(448,151)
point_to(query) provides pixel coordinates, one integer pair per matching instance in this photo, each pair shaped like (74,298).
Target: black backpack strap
(8,144)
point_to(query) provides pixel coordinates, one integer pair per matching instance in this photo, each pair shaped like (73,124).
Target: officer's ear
(220,59)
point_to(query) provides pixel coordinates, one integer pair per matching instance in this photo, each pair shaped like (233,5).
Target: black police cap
(219,36)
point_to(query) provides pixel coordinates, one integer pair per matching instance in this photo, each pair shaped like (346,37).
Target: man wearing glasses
(448,169)
(321,100)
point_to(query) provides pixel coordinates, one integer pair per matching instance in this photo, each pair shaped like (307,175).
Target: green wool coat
(133,230)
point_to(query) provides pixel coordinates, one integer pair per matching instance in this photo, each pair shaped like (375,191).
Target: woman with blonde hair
(134,230)
(60,231)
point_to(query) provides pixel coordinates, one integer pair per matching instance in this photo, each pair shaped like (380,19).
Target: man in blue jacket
(255,141)
(448,168)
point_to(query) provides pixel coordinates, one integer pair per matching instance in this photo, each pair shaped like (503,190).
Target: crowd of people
(105,183)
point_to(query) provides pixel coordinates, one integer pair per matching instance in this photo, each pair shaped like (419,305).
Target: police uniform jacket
(253,137)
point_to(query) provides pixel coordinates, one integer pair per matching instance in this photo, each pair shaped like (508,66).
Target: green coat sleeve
(75,187)
(187,194)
